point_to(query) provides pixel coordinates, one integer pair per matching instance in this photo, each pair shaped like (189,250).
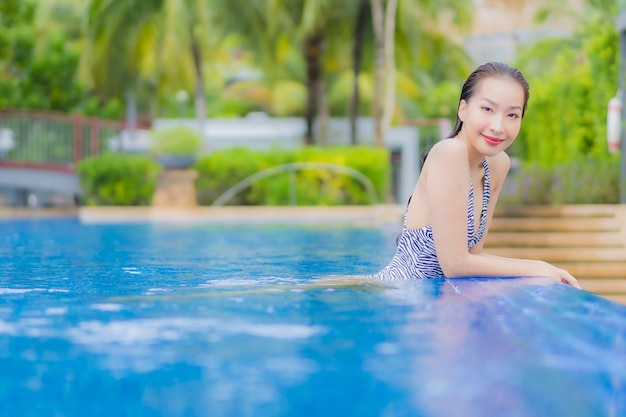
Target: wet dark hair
(489,70)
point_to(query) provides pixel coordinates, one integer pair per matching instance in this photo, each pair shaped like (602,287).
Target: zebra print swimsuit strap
(473,240)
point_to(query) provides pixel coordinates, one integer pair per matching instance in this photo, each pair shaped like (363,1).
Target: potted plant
(176,147)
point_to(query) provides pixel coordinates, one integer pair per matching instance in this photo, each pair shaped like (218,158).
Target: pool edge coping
(371,214)
(374,214)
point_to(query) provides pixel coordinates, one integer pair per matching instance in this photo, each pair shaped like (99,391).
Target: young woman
(454,199)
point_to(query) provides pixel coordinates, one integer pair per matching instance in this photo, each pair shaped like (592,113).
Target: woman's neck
(475,159)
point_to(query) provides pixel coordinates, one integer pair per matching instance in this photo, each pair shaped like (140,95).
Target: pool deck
(368,215)
(13,213)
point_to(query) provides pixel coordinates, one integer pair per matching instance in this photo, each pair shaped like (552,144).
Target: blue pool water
(206,320)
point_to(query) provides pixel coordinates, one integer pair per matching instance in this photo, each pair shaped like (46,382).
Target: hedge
(125,180)
(223,169)
(113,179)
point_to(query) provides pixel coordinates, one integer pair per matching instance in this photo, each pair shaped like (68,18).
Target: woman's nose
(496,125)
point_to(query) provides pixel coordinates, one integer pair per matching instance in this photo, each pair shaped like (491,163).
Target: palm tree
(316,24)
(118,43)
(188,24)
(360,26)
(412,27)
(131,41)
(318,29)
(384,22)
(312,27)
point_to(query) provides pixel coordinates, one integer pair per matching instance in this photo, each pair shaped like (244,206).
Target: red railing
(52,141)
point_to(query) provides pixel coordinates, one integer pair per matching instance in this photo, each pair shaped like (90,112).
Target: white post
(621,27)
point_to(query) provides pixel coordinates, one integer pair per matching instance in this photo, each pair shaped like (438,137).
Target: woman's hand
(567,278)
(560,275)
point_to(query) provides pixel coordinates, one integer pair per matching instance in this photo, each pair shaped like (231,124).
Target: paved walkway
(368,215)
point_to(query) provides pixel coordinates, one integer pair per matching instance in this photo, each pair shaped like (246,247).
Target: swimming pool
(228,320)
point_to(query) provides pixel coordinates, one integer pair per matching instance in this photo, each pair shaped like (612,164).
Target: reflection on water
(148,320)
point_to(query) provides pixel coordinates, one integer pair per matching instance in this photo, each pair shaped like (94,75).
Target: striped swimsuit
(416,256)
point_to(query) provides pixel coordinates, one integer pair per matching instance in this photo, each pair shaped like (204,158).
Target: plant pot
(170,161)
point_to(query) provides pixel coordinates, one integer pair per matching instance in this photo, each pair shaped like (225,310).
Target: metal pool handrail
(291,168)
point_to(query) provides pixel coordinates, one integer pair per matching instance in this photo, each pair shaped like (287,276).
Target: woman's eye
(514,116)
(487,109)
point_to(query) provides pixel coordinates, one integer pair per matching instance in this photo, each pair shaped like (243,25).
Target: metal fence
(52,139)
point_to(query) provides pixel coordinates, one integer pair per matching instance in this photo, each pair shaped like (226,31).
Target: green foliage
(566,118)
(338,188)
(118,179)
(223,169)
(178,140)
(13,12)
(593,180)
(35,72)
(563,138)
(49,83)
(226,107)
(112,108)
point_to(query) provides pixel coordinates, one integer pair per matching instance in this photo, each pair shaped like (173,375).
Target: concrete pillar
(175,188)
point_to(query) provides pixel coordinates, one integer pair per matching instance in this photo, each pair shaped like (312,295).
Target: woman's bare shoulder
(448,150)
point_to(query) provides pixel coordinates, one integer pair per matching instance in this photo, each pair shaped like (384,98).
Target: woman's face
(492,116)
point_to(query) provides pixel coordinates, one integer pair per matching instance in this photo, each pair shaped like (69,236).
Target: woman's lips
(492,141)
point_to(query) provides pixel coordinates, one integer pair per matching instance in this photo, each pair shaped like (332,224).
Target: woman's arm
(551,271)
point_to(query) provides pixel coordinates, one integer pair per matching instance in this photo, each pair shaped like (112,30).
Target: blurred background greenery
(316,59)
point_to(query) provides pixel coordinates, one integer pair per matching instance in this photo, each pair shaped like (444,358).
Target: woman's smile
(491,140)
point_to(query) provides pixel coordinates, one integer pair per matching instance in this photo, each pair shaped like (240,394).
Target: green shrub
(118,179)
(566,117)
(563,135)
(335,188)
(178,140)
(223,169)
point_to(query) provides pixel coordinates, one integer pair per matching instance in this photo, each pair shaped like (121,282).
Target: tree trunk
(199,98)
(131,110)
(323,115)
(390,66)
(359,32)
(313,47)
(379,69)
